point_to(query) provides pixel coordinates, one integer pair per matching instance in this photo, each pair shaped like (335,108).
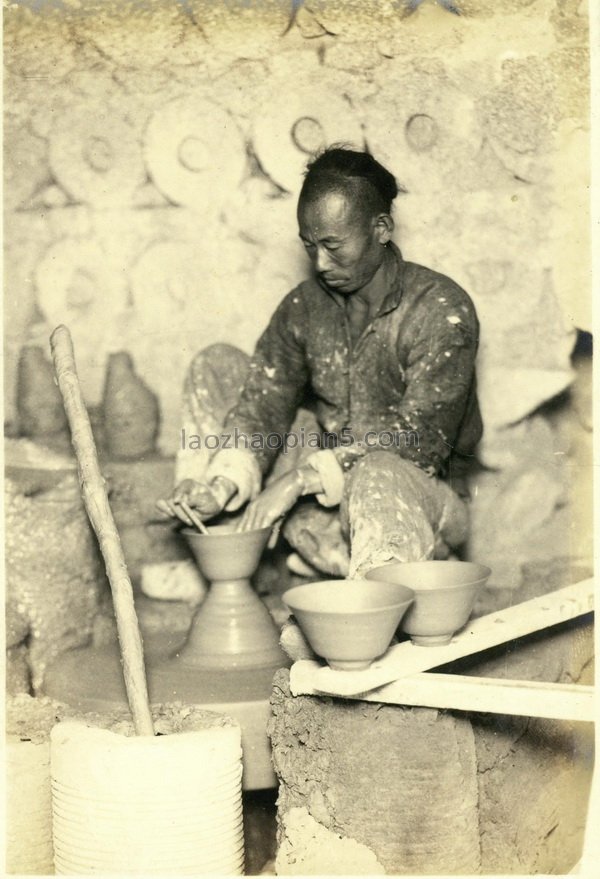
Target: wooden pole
(95,498)
(489,695)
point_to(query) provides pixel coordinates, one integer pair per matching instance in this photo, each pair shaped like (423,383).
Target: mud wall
(153,153)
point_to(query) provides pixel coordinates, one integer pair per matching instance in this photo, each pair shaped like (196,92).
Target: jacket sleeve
(440,376)
(272,392)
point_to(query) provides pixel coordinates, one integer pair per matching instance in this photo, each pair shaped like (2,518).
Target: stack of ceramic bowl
(167,805)
(28,825)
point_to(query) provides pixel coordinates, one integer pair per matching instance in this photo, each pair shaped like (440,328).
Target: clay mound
(31,719)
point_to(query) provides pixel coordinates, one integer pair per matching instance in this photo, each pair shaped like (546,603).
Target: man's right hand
(208,499)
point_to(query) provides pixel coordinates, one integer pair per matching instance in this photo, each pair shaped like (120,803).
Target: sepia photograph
(298,437)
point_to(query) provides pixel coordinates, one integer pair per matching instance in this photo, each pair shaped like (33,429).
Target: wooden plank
(490,695)
(406,659)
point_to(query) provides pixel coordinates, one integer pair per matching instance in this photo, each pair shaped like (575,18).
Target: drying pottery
(349,622)
(132,805)
(39,404)
(232,627)
(445,592)
(131,410)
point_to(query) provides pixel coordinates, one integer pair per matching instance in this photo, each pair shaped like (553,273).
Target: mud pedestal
(368,789)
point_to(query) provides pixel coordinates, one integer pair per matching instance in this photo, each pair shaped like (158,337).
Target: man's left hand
(274,502)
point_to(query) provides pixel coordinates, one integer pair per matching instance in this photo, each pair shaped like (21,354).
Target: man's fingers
(250,519)
(181,514)
(204,502)
(168,508)
(246,522)
(165,508)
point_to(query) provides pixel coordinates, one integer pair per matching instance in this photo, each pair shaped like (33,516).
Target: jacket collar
(394,296)
(396,285)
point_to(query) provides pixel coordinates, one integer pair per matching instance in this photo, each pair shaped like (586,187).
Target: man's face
(343,242)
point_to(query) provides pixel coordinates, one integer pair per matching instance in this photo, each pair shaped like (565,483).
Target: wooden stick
(194,517)
(489,695)
(406,659)
(95,498)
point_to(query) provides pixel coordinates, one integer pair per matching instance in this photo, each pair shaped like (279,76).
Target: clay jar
(131,410)
(39,404)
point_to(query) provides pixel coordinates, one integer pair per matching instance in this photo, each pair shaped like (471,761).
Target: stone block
(246,29)
(143,36)
(26,29)
(397,782)
(54,579)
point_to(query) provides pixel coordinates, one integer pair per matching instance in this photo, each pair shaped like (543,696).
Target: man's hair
(353,173)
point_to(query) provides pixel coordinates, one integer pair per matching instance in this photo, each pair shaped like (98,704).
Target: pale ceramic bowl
(224,554)
(445,592)
(348,622)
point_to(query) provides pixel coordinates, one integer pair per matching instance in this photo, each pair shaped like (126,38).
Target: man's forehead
(331,212)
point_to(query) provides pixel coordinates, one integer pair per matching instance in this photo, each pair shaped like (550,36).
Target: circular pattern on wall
(424,129)
(79,285)
(194,152)
(96,156)
(287,132)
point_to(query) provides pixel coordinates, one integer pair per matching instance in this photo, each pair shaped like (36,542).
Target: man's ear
(384,228)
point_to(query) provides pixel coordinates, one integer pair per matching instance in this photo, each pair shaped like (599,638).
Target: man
(382,351)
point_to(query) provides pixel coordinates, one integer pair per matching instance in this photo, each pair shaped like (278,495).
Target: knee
(219,353)
(373,462)
(219,370)
(380,467)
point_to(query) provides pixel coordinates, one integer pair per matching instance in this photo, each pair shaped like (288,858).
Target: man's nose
(322,260)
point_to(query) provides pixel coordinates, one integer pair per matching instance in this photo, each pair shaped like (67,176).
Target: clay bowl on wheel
(445,592)
(348,622)
(224,554)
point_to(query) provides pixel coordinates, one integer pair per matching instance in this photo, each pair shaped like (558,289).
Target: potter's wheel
(225,663)
(91,679)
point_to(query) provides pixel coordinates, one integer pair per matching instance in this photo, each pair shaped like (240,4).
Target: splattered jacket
(407,384)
